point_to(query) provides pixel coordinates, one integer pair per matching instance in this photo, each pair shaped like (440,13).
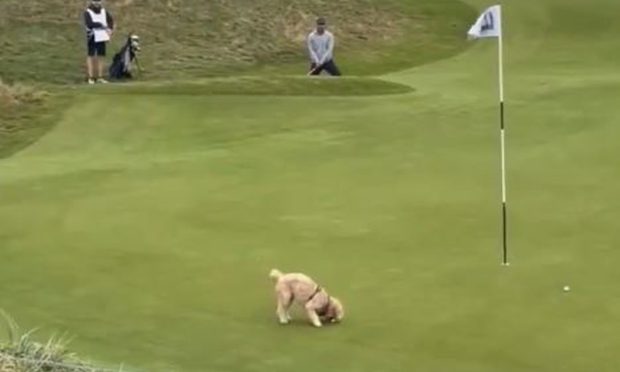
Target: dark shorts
(95,49)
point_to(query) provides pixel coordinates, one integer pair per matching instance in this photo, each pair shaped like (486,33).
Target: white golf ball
(566,288)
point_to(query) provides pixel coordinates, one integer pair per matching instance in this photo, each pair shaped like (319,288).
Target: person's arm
(330,49)
(88,22)
(110,20)
(313,55)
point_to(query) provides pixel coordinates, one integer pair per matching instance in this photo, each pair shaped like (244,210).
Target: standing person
(321,50)
(99,27)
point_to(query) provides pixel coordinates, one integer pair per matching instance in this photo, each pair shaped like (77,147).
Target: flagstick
(503,150)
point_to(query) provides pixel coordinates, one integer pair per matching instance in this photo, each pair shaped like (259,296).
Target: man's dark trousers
(328,66)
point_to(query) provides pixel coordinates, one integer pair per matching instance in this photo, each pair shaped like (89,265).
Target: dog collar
(316,291)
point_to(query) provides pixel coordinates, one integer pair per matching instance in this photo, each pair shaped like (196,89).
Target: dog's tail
(275,274)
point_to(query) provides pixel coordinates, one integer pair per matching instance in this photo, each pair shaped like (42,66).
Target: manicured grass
(260,86)
(145,224)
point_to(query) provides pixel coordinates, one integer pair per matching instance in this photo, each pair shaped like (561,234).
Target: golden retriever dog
(300,288)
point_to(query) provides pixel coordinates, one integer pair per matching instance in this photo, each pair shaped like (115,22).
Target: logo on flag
(489,24)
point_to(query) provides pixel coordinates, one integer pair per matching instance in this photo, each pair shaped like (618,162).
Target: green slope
(44,41)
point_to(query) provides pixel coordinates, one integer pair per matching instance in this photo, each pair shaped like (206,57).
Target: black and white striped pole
(489,24)
(500,48)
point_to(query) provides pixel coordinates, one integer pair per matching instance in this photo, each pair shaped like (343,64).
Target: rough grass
(19,352)
(44,40)
(15,96)
(26,113)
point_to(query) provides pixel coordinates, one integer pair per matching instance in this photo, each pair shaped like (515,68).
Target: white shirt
(100,35)
(321,47)
(102,17)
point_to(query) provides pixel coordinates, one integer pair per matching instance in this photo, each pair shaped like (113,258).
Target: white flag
(489,24)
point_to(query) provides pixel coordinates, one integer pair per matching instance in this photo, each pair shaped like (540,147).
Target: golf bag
(122,64)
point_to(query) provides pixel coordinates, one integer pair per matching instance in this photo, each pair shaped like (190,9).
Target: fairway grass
(149,232)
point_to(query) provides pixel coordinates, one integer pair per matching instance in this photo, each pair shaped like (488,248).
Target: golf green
(145,225)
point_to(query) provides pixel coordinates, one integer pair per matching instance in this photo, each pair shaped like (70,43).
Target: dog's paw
(284,321)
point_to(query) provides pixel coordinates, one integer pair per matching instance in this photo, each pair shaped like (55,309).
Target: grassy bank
(43,41)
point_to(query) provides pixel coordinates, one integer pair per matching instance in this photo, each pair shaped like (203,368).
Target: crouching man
(321,50)
(99,27)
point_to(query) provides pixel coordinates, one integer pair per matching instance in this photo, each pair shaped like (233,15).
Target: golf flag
(489,24)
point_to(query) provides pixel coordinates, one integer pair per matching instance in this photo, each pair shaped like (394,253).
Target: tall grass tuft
(21,353)
(12,96)
(26,114)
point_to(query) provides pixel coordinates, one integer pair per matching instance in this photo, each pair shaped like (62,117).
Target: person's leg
(100,68)
(101,52)
(90,68)
(96,67)
(90,53)
(331,67)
